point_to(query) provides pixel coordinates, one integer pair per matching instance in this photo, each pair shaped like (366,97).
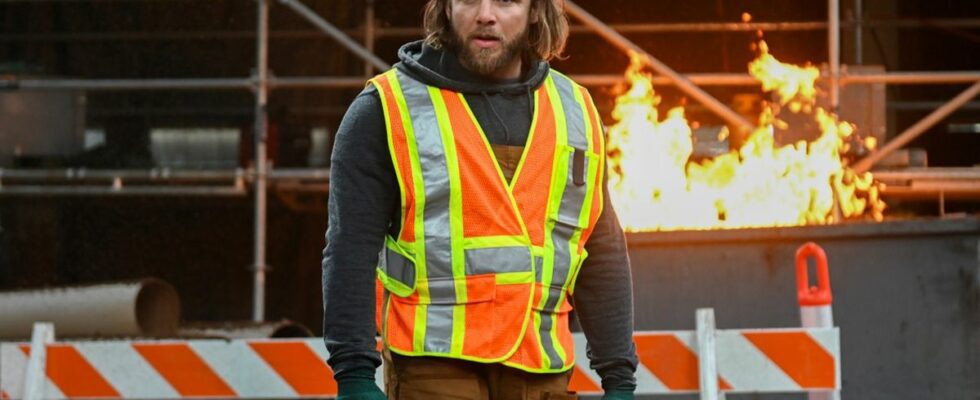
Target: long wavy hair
(546,37)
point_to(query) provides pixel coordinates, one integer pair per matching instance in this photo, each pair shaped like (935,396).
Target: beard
(486,61)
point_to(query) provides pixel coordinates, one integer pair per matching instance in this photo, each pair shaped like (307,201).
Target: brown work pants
(438,378)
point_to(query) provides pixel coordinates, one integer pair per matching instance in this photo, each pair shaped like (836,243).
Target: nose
(486,13)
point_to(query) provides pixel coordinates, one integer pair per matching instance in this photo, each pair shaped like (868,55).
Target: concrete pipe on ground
(147,308)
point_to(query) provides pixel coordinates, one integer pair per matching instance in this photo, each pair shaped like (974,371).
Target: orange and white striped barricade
(815,301)
(172,369)
(782,360)
(747,361)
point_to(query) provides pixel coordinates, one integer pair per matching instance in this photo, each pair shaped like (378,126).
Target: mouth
(485,40)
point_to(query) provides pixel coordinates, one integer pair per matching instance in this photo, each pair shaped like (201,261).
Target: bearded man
(468,204)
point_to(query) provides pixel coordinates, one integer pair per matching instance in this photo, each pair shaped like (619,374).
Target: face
(490,35)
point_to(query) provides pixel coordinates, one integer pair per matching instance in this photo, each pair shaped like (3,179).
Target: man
(477,171)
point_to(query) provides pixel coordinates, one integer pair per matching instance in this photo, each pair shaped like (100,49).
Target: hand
(359,389)
(618,395)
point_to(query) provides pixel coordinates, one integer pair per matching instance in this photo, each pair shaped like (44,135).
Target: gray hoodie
(364,207)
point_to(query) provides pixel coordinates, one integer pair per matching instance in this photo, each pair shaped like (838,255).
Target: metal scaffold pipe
(126,84)
(858,32)
(369,34)
(683,83)
(833,47)
(259,139)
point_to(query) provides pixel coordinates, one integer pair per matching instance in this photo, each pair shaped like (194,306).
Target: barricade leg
(707,360)
(41,336)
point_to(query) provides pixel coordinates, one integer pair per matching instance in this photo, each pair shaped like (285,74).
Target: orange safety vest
(481,270)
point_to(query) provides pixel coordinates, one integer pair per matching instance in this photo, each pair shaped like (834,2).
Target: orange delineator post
(815,301)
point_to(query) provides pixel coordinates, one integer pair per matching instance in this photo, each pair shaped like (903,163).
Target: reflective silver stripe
(438,328)
(548,319)
(574,114)
(442,291)
(397,266)
(498,260)
(436,224)
(539,269)
(439,315)
(569,210)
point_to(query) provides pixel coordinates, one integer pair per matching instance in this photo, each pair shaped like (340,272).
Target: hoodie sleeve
(604,303)
(363,197)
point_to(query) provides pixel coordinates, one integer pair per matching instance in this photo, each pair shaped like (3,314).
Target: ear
(449,10)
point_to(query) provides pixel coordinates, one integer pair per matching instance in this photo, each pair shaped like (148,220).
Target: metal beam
(336,34)
(728,79)
(733,118)
(918,128)
(858,32)
(833,47)
(331,82)
(396,31)
(88,190)
(720,79)
(369,34)
(934,173)
(126,84)
(913,77)
(356,82)
(259,266)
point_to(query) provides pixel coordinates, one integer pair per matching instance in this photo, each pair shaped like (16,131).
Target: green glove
(359,389)
(618,395)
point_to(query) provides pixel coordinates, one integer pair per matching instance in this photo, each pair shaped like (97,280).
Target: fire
(656,186)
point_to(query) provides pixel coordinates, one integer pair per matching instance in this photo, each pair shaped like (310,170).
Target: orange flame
(655,185)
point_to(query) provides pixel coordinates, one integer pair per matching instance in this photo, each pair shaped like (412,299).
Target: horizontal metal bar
(934,173)
(726,79)
(960,185)
(720,79)
(926,105)
(932,193)
(914,77)
(160,174)
(339,82)
(417,32)
(79,190)
(351,82)
(207,111)
(127,84)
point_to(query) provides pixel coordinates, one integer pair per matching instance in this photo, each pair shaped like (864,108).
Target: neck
(508,72)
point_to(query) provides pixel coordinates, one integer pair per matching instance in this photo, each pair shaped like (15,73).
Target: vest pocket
(396,270)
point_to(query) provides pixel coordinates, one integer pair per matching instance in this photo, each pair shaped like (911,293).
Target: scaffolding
(232,183)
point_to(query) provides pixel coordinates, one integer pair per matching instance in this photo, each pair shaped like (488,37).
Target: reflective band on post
(492,260)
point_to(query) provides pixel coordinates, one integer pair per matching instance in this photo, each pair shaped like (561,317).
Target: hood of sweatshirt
(441,68)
